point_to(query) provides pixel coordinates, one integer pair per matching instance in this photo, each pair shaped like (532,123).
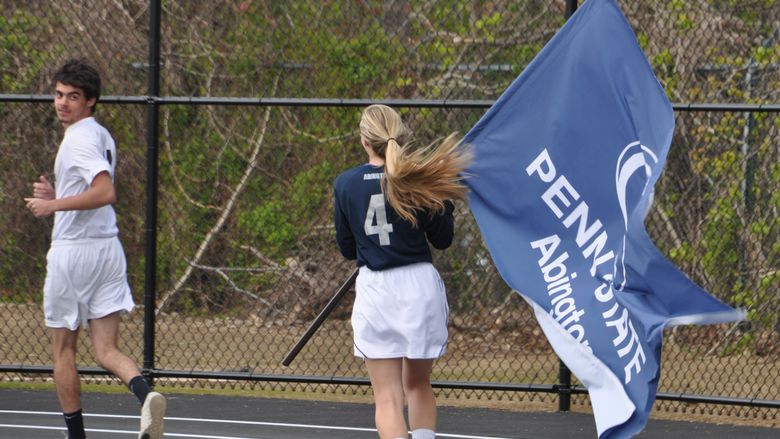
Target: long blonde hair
(419,180)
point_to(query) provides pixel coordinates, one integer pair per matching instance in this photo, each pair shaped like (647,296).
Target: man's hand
(43,189)
(43,203)
(39,207)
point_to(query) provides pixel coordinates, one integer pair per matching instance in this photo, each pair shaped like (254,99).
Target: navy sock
(75,423)
(140,388)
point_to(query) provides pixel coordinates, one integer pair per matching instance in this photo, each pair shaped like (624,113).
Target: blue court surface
(35,415)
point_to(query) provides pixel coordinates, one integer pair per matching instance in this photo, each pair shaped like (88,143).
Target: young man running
(86,278)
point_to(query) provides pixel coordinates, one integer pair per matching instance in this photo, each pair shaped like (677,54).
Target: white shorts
(400,313)
(85,279)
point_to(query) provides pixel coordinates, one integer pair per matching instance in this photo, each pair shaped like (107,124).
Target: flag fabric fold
(564,167)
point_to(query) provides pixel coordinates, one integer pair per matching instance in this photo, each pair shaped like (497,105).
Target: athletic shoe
(152,414)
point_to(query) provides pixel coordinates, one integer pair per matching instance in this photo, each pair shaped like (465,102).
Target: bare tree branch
(221,272)
(226,212)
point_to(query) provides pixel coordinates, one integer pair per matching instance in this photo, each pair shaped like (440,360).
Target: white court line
(226,421)
(134,433)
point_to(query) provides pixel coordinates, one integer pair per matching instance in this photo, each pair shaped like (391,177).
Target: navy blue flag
(564,169)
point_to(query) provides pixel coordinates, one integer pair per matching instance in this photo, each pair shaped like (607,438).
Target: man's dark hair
(80,74)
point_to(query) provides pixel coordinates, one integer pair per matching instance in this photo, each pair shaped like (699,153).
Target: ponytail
(424,179)
(419,180)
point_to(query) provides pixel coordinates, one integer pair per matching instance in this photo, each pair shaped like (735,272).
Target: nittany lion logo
(635,160)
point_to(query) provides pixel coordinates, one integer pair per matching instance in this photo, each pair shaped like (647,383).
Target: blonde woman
(387,211)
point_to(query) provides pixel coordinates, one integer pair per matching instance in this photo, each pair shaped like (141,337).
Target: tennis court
(35,414)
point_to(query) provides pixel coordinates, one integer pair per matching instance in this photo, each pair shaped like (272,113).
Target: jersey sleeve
(88,156)
(440,229)
(344,236)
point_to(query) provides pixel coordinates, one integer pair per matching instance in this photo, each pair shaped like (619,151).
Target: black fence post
(150,230)
(564,374)
(564,387)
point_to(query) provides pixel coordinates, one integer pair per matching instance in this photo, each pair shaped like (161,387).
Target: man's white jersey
(87,149)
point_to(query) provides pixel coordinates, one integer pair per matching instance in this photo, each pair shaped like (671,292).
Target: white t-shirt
(87,149)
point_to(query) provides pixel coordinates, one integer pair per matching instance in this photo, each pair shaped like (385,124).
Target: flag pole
(571,6)
(320,318)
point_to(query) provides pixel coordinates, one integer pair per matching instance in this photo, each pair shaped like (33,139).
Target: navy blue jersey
(369,230)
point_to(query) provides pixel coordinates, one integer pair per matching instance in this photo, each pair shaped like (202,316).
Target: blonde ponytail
(420,180)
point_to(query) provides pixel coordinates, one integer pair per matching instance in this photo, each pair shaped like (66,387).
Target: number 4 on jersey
(376,212)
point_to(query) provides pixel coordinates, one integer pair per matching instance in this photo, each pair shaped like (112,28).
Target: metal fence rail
(359,103)
(228,271)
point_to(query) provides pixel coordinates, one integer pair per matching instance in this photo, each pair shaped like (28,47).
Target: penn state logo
(635,162)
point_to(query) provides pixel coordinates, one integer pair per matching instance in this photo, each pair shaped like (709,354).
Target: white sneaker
(152,414)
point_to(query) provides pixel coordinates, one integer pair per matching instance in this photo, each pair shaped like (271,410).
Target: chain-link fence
(255,114)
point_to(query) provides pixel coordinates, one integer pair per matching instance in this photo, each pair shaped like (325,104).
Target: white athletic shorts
(400,313)
(85,279)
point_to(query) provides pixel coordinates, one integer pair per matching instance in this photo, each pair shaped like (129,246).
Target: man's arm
(100,193)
